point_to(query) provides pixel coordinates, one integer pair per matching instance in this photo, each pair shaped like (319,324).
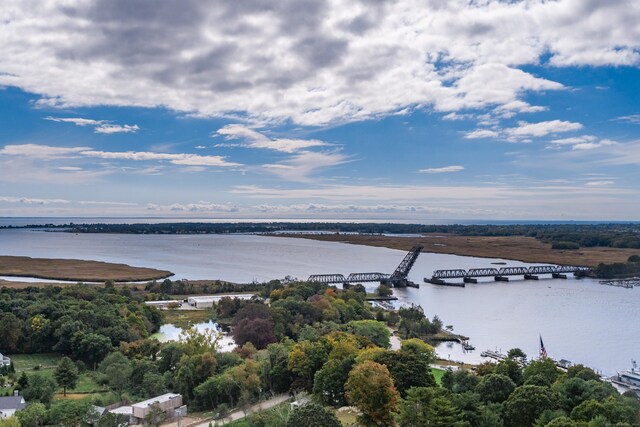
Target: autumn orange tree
(370,388)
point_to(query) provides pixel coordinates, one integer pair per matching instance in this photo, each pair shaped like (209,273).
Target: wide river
(579,320)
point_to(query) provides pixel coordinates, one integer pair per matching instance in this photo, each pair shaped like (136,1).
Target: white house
(10,404)
(4,360)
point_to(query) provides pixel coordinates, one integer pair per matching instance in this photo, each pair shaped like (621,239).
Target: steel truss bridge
(398,278)
(558,271)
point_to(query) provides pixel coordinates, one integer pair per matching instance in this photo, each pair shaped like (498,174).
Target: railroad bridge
(503,274)
(397,279)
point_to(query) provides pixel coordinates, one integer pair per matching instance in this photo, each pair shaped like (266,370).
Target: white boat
(630,379)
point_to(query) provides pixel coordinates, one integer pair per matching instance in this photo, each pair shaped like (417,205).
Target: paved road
(265,404)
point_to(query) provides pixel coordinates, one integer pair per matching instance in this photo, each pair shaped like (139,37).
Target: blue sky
(370,109)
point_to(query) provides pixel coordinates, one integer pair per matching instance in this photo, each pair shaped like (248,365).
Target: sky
(322,109)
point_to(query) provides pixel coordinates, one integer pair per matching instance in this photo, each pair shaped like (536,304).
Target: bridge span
(503,274)
(397,279)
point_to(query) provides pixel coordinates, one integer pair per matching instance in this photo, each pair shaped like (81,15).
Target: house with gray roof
(9,405)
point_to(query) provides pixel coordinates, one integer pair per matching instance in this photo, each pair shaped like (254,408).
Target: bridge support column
(469,280)
(530,277)
(501,279)
(559,276)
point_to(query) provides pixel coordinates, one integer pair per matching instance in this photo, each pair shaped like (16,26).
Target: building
(206,301)
(168,403)
(9,405)
(165,303)
(4,360)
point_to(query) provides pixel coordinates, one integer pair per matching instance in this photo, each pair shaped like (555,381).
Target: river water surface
(579,320)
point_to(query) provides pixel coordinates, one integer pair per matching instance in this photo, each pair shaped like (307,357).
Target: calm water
(171,332)
(580,320)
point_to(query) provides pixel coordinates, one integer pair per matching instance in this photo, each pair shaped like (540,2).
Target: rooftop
(12,402)
(162,398)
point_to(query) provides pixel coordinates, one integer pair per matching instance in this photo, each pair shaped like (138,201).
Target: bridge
(503,274)
(397,279)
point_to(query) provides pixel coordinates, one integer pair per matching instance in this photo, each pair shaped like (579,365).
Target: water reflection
(169,332)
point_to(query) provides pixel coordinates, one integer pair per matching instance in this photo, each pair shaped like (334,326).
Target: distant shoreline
(517,248)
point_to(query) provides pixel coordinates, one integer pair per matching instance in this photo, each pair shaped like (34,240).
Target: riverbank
(76,270)
(518,248)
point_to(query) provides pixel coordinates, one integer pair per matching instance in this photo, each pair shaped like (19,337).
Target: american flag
(543,351)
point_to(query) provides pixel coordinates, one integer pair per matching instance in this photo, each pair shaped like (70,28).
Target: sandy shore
(520,248)
(76,270)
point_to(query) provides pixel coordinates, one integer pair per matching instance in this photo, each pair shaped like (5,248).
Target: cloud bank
(313,62)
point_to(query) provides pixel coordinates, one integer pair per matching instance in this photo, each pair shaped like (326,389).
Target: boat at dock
(629,379)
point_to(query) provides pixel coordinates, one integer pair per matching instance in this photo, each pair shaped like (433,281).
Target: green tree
(329,381)
(376,331)
(562,422)
(70,413)
(408,369)
(588,410)
(66,374)
(154,417)
(305,359)
(33,415)
(495,388)
(384,291)
(312,415)
(544,369)
(370,388)
(10,331)
(511,369)
(459,381)
(526,403)
(40,389)
(91,347)
(427,406)
(10,422)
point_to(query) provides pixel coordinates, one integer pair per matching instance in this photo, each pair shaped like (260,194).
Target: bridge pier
(501,278)
(559,276)
(530,277)
(469,280)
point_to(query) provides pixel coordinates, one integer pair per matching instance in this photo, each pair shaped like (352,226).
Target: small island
(76,270)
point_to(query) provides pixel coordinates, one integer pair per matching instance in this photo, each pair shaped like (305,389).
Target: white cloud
(314,63)
(444,169)
(176,159)
(100,126)
(254,139)
(603,183)
(525,129)
(109,129)
(583,142)
(37,151)
(45,152)
(301,166)
(634,118)
(75,120)
(32,201)
(481,133)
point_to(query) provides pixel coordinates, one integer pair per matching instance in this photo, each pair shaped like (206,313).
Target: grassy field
(521,248)
(76,270)
(28,362)
(437,373)
(347,418)
(45,364)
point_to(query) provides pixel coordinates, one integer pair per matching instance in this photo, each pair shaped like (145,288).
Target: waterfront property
(9,405)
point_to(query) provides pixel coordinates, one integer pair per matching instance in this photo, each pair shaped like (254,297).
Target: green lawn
(437,373)
(47,364)
(27,362)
